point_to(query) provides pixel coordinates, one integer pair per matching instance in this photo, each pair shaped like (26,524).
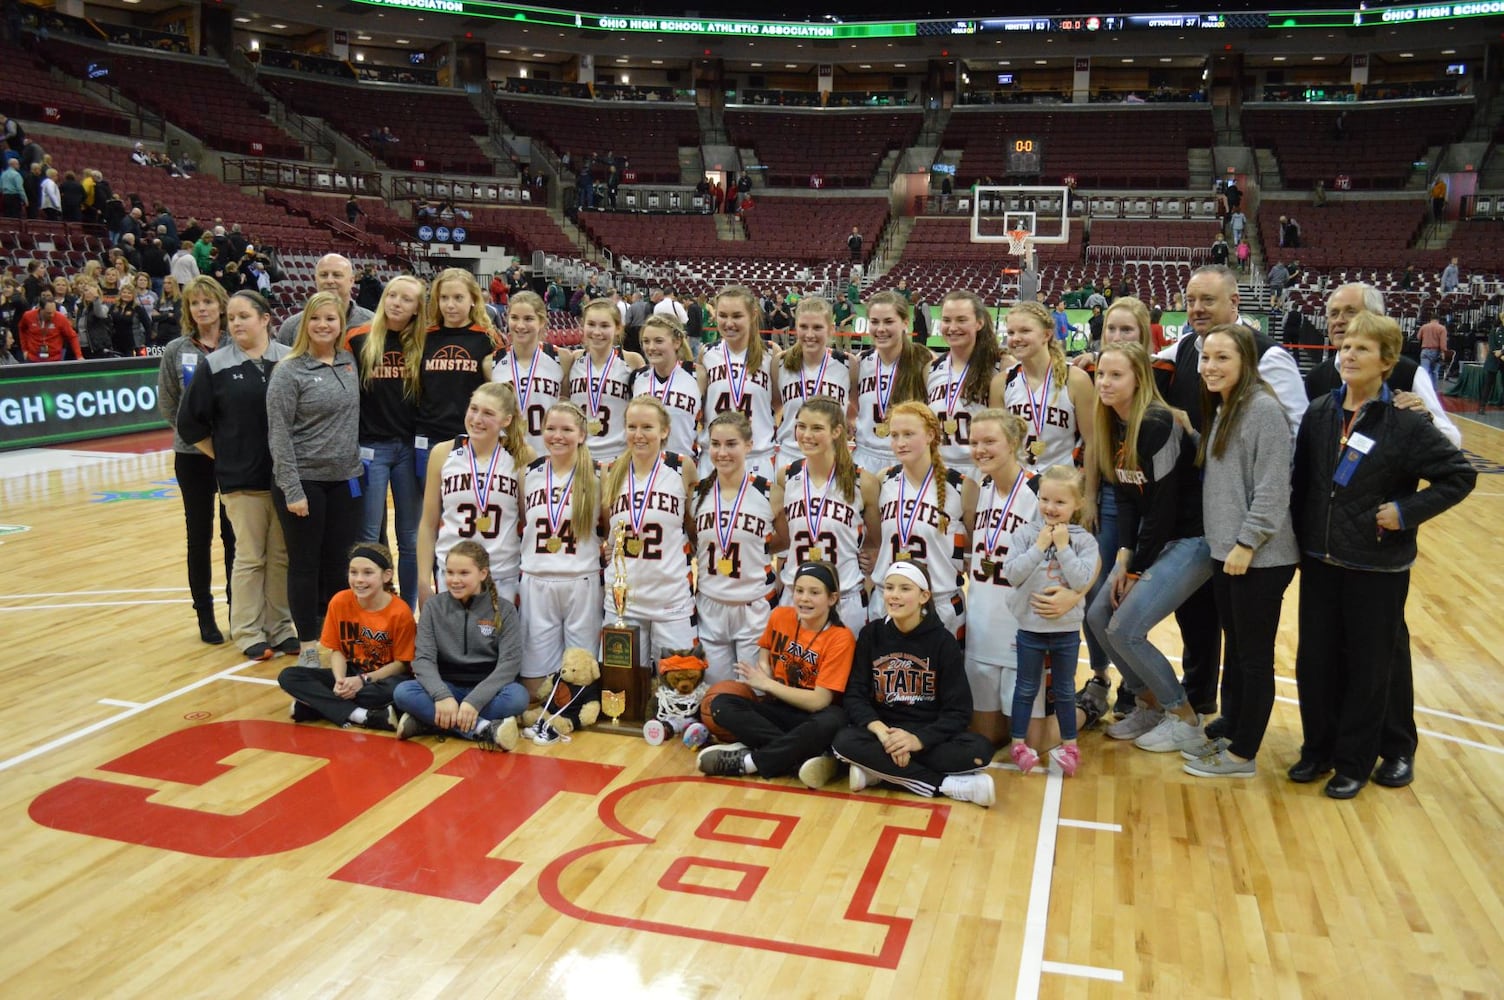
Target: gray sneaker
(407,725)
(1095,693)
(1220,765)
(309,657)
(1213,745)
(1172,733)
(1137,722)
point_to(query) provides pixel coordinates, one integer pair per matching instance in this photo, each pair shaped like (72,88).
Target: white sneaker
(1136,723)
(817,771)
(976,788)
(859,778)
(407,725)
(1172,733)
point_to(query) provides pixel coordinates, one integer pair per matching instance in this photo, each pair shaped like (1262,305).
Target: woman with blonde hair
(534,368)
(313,428)
(960,383)
(457,347)
(891,371)
(808,369)
(737,374)
(600,379)
(669,377)
(473,490)
(389,353)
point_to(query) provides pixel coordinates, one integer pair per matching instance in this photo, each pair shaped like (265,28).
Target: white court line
(1084,971)
(1432,711)
(90,730)
(1031,963)
(253,680)
(117,703)
(1086,824)
(95,604)
(1426,732)
(92,593)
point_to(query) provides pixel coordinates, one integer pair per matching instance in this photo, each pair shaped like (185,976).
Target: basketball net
(1018,241)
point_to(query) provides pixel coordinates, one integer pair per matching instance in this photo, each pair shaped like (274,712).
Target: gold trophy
(622,671)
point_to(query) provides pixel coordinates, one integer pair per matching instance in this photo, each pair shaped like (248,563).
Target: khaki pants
(259,612)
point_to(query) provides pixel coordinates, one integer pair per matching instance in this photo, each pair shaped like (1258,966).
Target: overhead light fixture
(1005,62)
(255,45)
(1449,52)
(1279,58)
(360,57)
(538,55)
(403,41)
(1407,55)
(657,62)
(865,66)
(621,59)
(1128,60)
(242,20)
(900,65)
(757,65)
(280,27)
(1164,59)
(1318,59)
(790,65)
(503,52)
(1041,62)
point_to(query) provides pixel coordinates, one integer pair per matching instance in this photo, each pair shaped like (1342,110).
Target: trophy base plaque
(622,669)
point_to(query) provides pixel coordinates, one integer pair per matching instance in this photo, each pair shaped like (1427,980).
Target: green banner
(75,401)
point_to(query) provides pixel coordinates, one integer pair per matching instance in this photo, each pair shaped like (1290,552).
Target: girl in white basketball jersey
(669,377)
(827,507)
(893,370)
(472,490)
(926,512)
(959,383)
(734,539)
(1050,395)
(737,374)
(561,550)
(534,368)
(600,379)
(647,494)
(811,368)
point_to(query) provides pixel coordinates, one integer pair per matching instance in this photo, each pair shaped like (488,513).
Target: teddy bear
(681,686)
(572,696)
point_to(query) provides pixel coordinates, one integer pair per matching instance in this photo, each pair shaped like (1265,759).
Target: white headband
(909,572)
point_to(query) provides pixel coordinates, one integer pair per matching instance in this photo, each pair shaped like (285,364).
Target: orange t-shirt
(808,659)
(369,640)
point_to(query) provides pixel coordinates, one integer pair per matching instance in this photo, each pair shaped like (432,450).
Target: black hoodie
(910,680)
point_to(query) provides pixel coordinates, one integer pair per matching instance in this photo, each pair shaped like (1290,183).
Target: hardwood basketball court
(171,832)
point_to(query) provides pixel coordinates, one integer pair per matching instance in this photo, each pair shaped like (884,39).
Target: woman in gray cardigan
(1245,457)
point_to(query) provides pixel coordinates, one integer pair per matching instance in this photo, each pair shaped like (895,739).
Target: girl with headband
(801,669)
(370,633)
(908,701)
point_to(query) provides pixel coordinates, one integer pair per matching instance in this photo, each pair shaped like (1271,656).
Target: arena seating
(30,91)
(1344,234)
(1375,150)
(843,148)
(1153,233)
(1117,147)
(649,137)
(525,231)
(328,208)
(1479,245)
(199,96)
(949,239)
(436,129)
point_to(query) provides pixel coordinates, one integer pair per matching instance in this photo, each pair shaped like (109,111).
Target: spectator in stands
(1095,299)
(499,290)
(46,334)
(239,241)
(138,155)
(146,298)
(1319,192)
(63,295)
(1450,277)
(167,319)
(554,296)
(184,265)
(154,263)
(12,305)
(71,197)
(613,181)
(854,245)
(93,319)
(1242,254)
(1279,277)
(1433,340)
(667,304)
(1492,360)
(35,283)
(129,252)
(15,135)
(130,324)
(368,289)
(13,189)
(333,273)
(1220,250)
(1234,194)
(1238,223)
(31,178)
(1439,199)
(165,221)
(51,196)
(190,233)
(1289,232)
(1062,323)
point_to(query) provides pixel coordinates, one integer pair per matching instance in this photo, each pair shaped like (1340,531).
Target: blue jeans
(1182,567)
(1107,547)
(1063,648)
(411,698)
(1428,361)
(394,467)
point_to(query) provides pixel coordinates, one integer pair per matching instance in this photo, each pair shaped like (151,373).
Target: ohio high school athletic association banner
(50,403)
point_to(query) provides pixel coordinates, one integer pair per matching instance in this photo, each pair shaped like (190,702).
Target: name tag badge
(420,458)
(1361,443)
(368,455)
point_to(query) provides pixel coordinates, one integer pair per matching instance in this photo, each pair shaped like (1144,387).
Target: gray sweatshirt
(469,646)
(1245,494)
(177,357)
(1030,571)
(313,422)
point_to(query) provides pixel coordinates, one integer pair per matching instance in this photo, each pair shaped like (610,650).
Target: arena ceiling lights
(711,27)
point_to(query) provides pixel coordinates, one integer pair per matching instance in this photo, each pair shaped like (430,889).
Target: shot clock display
(1022,156)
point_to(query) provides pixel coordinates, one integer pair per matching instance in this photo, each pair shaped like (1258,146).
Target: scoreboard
(1022,156)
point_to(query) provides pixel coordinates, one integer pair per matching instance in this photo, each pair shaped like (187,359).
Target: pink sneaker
(1023,756)
(1068,757)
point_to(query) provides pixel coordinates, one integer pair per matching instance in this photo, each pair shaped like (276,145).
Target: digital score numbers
(1022,156)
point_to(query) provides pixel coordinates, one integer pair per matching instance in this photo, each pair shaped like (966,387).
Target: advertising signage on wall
(46,404)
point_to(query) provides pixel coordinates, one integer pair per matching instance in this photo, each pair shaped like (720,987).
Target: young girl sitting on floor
(369,631)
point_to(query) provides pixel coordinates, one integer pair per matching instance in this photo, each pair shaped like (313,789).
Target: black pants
(926,769)
(1490,376)
(318,550)
(1399,738)
(781,736)
(1201,641)
(1349,626)
(314,687)
(195,475)
(1249,606)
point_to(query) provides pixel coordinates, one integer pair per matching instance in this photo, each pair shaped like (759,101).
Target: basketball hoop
(1018,241)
